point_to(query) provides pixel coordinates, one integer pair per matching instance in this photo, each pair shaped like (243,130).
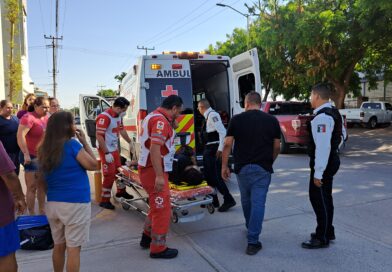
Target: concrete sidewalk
(363,204)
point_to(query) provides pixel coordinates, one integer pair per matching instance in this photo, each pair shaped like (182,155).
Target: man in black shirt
(256,139)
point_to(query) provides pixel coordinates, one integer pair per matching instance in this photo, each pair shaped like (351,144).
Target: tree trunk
(339,95)
(267,91)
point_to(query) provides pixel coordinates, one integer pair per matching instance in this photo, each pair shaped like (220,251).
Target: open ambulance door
(246,78)
(89,108)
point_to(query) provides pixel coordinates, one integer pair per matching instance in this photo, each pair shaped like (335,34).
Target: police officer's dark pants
(212,171)
(322,201)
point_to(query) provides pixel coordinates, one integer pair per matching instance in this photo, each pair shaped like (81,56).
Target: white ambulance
(192,76)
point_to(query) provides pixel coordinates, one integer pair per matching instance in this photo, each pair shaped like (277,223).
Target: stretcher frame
(180,208)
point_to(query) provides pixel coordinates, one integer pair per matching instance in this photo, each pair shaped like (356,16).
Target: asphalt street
(363,220)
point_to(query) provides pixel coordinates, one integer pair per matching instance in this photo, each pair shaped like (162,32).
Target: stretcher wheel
(210,208)
(174,217)
(125,206)
(184,212)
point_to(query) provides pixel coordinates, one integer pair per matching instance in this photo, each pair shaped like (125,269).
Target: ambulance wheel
(174,217)
(125,206)
(210,208)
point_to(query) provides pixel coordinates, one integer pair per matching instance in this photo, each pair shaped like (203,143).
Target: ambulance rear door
(165,77)
(246,78)
(89,108)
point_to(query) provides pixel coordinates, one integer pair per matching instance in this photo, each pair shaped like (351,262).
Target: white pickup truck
(370,114)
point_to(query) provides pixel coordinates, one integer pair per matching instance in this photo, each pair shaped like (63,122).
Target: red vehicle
(293,118)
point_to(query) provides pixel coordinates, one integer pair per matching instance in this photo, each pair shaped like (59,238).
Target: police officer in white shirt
(213,135)
(326,132)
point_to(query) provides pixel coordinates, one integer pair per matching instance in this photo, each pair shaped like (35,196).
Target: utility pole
(55,47)
(145,48)
(100,87)
(54,55)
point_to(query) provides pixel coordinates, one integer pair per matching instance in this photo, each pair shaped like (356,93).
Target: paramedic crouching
(213,136)
(156,160)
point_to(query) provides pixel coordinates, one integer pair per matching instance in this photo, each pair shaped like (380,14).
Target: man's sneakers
(331,237)
(107,205)
(145,241)
(252,249)
(168,253)
(124,195)
(314,243)
(227,205)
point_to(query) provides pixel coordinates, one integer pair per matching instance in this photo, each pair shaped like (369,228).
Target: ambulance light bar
(183,55)
(156,66)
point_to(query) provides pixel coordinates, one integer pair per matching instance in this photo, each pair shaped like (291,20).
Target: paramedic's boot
(145,241)
(107,205)
(227,205)
(124,195)
(215,201)
(168,253)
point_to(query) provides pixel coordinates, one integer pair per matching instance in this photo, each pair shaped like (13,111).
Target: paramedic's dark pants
(322,201)
(212,171)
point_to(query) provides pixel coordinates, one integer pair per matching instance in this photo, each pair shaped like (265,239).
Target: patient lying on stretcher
(185,170)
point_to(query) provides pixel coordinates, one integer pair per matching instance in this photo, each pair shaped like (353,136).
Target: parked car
(293,118)
(370,114)
(77,120)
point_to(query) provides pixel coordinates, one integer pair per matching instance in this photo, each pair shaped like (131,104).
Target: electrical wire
(194,26)
(162,33)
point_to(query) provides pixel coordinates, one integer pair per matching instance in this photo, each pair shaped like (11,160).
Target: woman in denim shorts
(30,133)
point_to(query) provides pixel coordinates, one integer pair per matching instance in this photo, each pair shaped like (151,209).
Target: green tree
(107,93)
(320,40)
(14,62)
(236,43)
(120,77)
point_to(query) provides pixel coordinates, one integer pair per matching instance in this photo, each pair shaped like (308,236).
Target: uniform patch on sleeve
(215,119)
(322,128)
(101,121)
(160,125)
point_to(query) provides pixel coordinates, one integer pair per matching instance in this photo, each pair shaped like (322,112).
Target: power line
(43,33)
(193,27)
(197,17)
(62,31)
(168,29)
(174,24)
(65,12)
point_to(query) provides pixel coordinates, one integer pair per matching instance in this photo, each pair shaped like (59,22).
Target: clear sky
(100,37)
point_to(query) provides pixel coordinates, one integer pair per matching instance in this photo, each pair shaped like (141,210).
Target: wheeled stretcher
(188,204)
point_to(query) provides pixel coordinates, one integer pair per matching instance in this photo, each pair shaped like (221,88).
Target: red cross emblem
(169,91)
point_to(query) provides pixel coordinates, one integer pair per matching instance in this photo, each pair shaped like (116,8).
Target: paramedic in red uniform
(156,160)
(109,126)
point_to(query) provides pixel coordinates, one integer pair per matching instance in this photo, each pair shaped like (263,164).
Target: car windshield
(290,108)
(373,106)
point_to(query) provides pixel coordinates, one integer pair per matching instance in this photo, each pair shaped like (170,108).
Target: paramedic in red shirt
(109,126)
(155,161)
